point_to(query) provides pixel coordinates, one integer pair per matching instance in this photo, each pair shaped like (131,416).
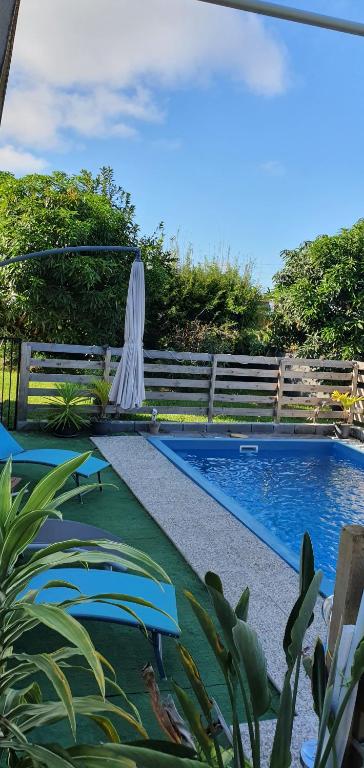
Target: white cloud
(96,68)
(18,161)
(273,168)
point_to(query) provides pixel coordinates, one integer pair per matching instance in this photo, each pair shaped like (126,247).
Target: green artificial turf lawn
(117,510)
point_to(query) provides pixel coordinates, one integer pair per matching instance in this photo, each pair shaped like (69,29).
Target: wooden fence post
(280,388)
(212,388)
(349,584)
(349,588)
(25,355)
(354,391)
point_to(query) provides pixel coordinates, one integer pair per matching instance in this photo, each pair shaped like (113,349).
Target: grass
(117,510)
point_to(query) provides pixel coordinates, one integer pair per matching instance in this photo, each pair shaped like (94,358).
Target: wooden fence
(195,383)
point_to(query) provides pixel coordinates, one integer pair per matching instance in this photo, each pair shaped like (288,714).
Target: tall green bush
(319,297)
(215,307)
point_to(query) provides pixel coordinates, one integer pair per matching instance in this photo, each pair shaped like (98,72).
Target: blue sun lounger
(55,531)
(92,582)
(51,457)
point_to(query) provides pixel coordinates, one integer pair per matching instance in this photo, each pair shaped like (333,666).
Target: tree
(215,307)
(78,298)
(319,297)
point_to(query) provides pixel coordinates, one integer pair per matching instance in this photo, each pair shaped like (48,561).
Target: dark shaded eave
(9,10)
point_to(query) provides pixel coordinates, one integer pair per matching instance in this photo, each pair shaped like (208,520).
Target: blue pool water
(284,489)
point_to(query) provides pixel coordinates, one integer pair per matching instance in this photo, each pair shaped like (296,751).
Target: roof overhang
(8,17)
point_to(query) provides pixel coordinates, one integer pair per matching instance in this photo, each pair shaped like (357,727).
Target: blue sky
(239,133)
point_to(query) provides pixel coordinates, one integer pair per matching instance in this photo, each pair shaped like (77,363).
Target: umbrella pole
(293,14)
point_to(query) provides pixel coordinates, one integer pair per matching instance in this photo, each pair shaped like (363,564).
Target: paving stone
(262,427)
(284,429)
(171,426)
(305,429)
(198,426)
(226,427)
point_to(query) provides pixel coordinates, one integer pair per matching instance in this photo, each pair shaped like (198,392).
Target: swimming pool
(280,488)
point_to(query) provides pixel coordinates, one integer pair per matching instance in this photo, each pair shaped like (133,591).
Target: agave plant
(22,707)
(239,655)
(65,415)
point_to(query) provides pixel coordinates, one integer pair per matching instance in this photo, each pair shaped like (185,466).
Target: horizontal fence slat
(201,396)
(185,369)
(248,372)
(268,412)
(42,407)
(150,395)
(189,370)
(325,375)
(253,385)
(318,363)
(155,354)
(247,360)
(305,400)
(71,349)
(56,363)
(305,413)
(312,388)
(243,398)
(189,383)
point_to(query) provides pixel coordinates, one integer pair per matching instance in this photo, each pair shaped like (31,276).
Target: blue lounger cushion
(51,457)
(92,582)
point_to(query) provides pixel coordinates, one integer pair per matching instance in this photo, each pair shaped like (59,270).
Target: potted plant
(153,424)
(346,401)
(65,417)
(99,391)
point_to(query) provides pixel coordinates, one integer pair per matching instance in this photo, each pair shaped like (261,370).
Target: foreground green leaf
(55,618)
(254,664)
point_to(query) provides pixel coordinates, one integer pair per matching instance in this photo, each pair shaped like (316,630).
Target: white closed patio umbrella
(127,389)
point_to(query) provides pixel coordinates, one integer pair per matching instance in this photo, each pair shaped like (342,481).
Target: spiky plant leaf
(194,677)
(254,663)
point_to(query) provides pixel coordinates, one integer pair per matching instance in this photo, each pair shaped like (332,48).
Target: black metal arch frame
(75,249)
